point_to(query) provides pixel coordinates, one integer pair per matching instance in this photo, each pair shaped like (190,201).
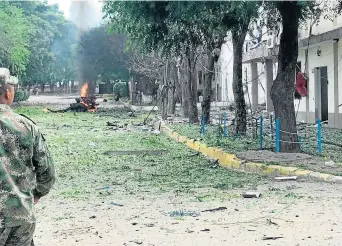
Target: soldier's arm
(44,166)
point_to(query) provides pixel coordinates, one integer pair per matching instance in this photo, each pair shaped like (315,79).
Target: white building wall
(340,75)
(226,71)
(325,59)
(226,76)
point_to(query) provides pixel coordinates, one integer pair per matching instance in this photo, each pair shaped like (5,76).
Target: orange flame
(84,93)
(84,90)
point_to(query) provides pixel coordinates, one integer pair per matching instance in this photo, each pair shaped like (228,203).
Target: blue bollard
(277,135)
(203,125)
(319,136)
(225,124)
(300,142)
(261,131)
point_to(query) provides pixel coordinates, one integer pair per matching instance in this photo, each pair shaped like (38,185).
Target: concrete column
(307,101)
(269,82)
(255,96)
(336,101)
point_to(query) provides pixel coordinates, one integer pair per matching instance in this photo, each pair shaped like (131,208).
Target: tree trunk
(159,92)
(172,88)
(283,86)
(193,111)
(42,87)
(165,92)
(185,92)
(239,97)
(208,78)
(51,87)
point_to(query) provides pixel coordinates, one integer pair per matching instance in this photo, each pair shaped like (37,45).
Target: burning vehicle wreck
(85,103)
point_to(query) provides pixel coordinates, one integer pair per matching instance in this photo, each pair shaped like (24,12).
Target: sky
(84,13)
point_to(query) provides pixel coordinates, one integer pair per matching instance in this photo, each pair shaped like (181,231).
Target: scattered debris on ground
(183,213)
(251,194)
(214,209)
(136,152)
(287,178)
(271,238)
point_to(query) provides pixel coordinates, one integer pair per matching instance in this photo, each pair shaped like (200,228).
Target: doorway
(321,95)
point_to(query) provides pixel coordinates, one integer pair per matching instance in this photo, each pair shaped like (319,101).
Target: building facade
(323,67)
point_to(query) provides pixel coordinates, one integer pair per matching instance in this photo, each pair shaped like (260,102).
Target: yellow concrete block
(219,155)
(301,172)
(190,143)
(287,170)
(182,139)
(175,135)
(255,167)
(197,145)
(236,163)
(271,169)
(320,176)
(231,161)
(211,152)
(203,148)
(227,160)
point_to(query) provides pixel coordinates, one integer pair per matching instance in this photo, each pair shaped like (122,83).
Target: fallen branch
(271,238)
(215,209)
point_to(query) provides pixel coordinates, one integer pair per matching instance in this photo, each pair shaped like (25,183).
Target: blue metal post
(261,126)
(203,125)
(277,135)
(319,135)
(225,124)
(300,142)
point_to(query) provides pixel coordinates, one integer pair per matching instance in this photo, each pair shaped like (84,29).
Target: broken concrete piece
(251,194)
(286,178)
(329,163)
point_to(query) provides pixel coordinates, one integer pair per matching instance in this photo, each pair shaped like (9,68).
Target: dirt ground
(302,213)
(159,200)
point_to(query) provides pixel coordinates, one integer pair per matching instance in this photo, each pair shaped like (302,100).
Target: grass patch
(214,137)
(78,143)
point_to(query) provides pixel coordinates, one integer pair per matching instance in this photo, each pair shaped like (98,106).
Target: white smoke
(84,13)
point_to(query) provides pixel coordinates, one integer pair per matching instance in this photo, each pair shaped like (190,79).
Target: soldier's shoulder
(27,119)
(33,124)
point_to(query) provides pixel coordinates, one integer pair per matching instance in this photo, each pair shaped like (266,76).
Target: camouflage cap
(6,78)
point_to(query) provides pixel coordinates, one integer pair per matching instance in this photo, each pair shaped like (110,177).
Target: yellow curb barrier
(232,162)
(197,145)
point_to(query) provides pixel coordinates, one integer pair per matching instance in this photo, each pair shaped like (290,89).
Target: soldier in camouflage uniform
(26,172)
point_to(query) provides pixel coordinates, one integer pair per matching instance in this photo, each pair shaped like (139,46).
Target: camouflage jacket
(26,168)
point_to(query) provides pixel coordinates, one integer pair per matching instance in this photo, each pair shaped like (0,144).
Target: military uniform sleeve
(44,166)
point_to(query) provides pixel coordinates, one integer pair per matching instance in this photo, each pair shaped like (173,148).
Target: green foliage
(14,38)
(121,89)
(37,42)
(172,26)
(21,95)
(51,41)
(102,56)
